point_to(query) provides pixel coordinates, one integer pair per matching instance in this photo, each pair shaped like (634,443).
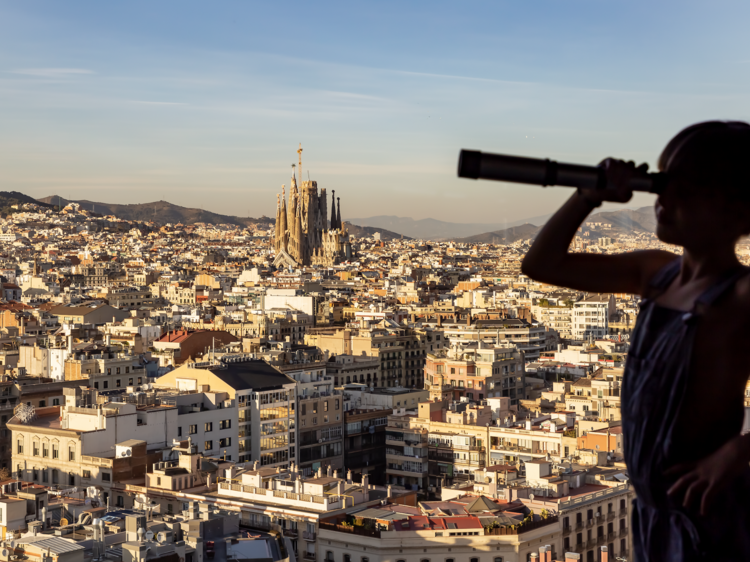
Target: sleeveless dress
(654,383)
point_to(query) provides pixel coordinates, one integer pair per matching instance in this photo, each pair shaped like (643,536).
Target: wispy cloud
(53,72)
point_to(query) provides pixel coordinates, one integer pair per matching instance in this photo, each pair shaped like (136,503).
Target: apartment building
(348,369)
(364,442)
(529,339)
(476,371)
(470,528)
(591,316)
(85,443)
(557,317)
(265,398)
(401,350)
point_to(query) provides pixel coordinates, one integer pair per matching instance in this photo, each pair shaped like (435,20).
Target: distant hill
(624,221)
(433,229)
(10,198)
(369,231)
(161,212)
(505,236)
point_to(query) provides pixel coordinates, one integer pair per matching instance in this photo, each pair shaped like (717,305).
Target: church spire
(333,210)
(282,221)
(338,216)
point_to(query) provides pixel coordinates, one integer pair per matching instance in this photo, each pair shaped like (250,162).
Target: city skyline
(204,108)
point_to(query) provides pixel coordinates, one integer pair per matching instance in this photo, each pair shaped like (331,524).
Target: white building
(591,316)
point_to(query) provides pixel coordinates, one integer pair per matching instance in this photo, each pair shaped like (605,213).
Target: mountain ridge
(163,212)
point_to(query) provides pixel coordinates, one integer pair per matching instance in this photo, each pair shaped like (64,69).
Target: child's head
(707,198)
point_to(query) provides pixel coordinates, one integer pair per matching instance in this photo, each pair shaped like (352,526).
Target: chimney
(108,340)
(348,476)
(365,482)
(572,557)
(549,554)
(320,472)
(335,473)
(389,493)
(534,557)
(70,343)
(605,555)
(328,471)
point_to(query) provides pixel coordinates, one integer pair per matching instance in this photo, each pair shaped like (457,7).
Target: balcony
(579,525)
(623,532)
(308,536)
(590,523)
(623,511)
(580,547)
(611,516)
(309,556)
(566,530)
(289,532)
(611,536)
(599,519)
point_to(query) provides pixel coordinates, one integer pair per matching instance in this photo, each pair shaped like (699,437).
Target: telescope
(502,167)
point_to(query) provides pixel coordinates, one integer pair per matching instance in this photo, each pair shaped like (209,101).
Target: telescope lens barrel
(482,165)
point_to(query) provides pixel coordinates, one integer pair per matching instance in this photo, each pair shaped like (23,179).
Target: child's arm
(549,260)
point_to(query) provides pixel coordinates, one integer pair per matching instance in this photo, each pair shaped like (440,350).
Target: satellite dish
(161,537)
(4,552)
(150,535)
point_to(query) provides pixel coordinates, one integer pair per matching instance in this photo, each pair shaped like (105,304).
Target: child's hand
(702,480)
(618,174)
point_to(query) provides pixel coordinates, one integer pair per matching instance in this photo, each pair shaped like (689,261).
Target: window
(325,409)
(179,432)
(225,424)
(45,450)
(208,445)
(106,384)
(499,559)
(42,403)
(130,381)
(120,499)
(55,401)
(55,451)
(54,476)
(193,429)
(71,453)
(127,370)
(329,556)
(209,426)
(106,477)
(71,479)
(20,447)
(86,474)
(35,449)
(117,383)
(225,442)
(473,559)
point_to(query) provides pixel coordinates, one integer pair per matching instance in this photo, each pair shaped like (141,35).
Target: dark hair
(717,155)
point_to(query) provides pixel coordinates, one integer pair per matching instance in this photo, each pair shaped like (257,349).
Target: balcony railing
(623,532)
(308,535)
(309,556)
(289,532)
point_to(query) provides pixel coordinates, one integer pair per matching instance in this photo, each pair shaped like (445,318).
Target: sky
(204,104)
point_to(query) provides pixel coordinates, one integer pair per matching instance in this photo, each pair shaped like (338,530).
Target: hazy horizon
(204,105)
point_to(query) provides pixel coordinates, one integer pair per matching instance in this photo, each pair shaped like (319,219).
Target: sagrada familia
(303,233)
